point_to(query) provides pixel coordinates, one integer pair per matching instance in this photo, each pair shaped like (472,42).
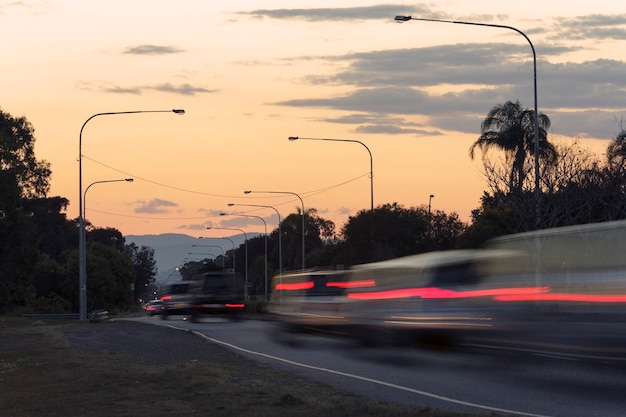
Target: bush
(50,304)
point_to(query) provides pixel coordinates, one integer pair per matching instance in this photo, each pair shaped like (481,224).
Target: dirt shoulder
(129,368)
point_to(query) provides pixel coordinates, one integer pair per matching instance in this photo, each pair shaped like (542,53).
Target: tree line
(39,245)
(39,249)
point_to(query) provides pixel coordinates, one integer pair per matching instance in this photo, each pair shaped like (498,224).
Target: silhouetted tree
(17,155)
(22,177)
(144,263)
(511,128)
(317,229)
(391,230)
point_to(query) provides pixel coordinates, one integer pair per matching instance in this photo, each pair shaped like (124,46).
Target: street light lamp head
(247,192)
(292,138)
(231,204)
(179,111)
(129,179)
(432,195)
(402,19)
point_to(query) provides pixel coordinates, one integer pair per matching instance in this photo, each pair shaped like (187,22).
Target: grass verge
(45,373)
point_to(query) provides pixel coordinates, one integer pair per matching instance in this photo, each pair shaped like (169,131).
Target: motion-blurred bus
(308,301)
(578,307)
(559,292)
(430,298)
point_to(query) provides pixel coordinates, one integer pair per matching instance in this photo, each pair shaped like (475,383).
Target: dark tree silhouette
(511,128)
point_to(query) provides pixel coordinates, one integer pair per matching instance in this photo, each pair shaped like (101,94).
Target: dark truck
(216,292)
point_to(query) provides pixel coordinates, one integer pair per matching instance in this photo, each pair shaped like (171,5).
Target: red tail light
(352,284)
(294,286)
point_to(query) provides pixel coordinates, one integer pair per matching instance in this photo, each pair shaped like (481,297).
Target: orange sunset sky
(249,74)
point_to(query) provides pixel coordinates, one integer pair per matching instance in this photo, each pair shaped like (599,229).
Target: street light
(246,242)
(294,138)
(280,234)
(82,259)
(301,201)
(94,183)
(84,240)
(200,253)
(215,246)
(430,199)
(231,241)
(265,236)
(401,19)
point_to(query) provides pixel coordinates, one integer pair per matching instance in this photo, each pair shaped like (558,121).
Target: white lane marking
(361,378)
(554,354)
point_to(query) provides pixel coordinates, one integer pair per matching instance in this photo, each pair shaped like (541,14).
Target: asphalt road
(478,379)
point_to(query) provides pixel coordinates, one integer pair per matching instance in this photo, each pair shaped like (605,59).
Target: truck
(209,293)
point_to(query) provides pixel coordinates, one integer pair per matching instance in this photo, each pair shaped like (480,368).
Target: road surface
(475,379)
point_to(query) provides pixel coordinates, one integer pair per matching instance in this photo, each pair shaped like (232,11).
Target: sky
(250,74)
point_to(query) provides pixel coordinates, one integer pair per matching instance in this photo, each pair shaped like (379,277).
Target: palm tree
(616,151)
(511,128)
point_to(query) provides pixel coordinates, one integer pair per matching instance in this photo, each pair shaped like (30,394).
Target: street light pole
(82,262)
(301,201)
(94,183)
(215,246)
(246,253)
(430,199)
(232,243)
(294,138)
(201,253)
(280,234)
(401,19)
(84,217)
(265,236)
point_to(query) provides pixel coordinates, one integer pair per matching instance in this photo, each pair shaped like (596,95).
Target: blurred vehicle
(175,298)
(429,298)
(215,292)
(154,307)
(558,292)
(308,301)
(578,306)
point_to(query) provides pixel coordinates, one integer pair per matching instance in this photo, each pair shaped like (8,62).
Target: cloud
(240,221)
(499,63)
(383,124)
(454,86)
(395,129)
(194,227)
(122,90)
(598,27)
(152,50)
(378,12)
(181,89)
(154,206)
(34,7)
(210,212)
(345,210)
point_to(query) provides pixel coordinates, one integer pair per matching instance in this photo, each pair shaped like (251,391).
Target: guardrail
(52,316)
(94,317)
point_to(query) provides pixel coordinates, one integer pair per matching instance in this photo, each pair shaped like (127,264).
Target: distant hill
(171,249)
